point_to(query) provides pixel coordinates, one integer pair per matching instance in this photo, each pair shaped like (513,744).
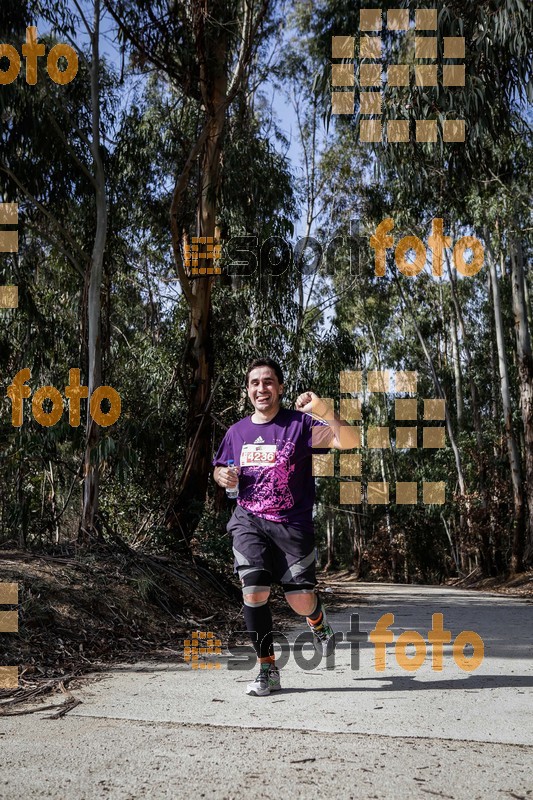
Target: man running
(272,524)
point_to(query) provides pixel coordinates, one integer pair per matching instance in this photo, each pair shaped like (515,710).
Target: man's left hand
(306,402)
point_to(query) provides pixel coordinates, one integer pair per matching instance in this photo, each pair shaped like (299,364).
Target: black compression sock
(259,620)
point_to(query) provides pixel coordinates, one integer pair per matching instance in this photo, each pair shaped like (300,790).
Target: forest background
(176,126)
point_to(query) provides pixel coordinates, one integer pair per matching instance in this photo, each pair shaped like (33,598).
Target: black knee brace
(254,580)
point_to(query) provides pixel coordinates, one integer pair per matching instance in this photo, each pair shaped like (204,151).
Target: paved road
(167,731)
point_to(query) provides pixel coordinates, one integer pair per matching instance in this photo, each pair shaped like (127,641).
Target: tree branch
(43,210)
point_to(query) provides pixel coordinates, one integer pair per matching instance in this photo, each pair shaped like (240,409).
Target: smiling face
(264,390)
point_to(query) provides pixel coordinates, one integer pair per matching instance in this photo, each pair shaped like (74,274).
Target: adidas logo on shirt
(259,440)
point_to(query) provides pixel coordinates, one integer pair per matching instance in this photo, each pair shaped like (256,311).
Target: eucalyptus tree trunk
(485,552)
(214,56)
(357,545)
(393,549)
(211,29)
(439,392)
(527,298)
(94,347)
(192,484)
(525,377)
(476,416)
(457,373)
(498,447)
(495,389)
(517,541)
(330,540)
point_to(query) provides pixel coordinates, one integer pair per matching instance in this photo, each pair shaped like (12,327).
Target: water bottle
(232,493)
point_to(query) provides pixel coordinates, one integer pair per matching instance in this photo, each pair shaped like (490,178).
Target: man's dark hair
(264,362)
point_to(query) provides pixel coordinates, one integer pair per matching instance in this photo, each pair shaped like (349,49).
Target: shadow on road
(406,683)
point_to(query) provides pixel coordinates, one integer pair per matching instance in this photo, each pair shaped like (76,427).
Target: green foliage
(336,316)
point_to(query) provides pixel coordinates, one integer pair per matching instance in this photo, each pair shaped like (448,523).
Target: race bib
(263,455)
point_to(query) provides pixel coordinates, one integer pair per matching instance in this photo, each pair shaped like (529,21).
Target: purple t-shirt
(275,478)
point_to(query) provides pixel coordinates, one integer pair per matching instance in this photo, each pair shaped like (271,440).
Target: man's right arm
(222,474)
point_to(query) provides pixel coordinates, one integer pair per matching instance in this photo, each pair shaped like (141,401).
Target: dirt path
(167,731)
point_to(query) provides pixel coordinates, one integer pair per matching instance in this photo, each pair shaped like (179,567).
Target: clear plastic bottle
(232,494)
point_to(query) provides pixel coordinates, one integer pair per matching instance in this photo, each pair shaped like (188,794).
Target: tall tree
(94,276)
(205,51)
(70,153)
(512,446)
(525,373)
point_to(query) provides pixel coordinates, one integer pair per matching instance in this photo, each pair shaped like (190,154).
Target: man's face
(264,389)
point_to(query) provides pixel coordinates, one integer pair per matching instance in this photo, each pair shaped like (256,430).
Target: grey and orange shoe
(324,636)
(267,680)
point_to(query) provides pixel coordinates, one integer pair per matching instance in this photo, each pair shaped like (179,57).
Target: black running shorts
(287,553)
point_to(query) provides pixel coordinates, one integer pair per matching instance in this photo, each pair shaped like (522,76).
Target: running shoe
(324,637)
(267,681)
